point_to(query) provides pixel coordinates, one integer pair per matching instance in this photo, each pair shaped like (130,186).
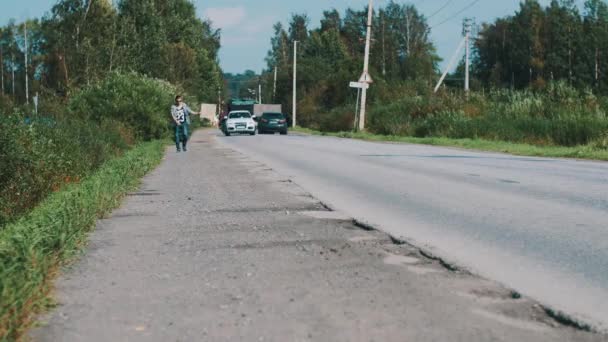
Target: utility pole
(27,85)
(467,37)
(13,71)
(260,92)
(219,102)
(365,76)
(450,65)
(357,108)
(2,65)
(383,46)
(274,88)
(295,74)
(597,66)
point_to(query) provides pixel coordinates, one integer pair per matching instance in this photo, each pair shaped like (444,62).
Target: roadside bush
(141,103)
(6,104)
(34,246)
(37,158)
(558,115)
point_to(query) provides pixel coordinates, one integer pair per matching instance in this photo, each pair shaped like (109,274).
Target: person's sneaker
(178,150)
(185,149)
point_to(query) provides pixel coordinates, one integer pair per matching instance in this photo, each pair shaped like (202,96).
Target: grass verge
(34,247)
(578,152)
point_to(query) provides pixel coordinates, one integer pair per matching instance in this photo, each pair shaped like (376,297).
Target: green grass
(579,152)
(34,247)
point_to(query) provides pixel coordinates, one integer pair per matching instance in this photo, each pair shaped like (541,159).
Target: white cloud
(226,17)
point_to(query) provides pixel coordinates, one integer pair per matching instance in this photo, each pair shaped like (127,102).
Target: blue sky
(247,24)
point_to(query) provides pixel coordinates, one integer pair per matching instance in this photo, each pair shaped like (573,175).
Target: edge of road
(579,153)
(559,316)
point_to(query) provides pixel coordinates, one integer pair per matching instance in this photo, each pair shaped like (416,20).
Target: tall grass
(69,141)
(558,115)
(39,156)
(34,246)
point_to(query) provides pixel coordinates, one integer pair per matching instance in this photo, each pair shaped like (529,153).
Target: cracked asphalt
(217,246)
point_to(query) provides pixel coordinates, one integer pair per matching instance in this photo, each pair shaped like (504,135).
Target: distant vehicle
(272,123)
(240,121)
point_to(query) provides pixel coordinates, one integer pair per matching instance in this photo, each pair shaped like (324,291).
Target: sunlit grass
(33,247)
(580,152)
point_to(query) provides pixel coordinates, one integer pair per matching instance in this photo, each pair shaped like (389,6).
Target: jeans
(181,135)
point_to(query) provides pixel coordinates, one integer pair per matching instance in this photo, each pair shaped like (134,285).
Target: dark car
(272,123)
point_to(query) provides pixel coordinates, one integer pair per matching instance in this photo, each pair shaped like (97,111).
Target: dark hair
(178,97)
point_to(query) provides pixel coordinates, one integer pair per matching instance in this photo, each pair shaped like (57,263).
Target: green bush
(141,103)
(558,115)
(35,245)
(38,157)
(63,145)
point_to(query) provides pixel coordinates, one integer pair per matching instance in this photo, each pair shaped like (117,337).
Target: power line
(453,16)
(440,9)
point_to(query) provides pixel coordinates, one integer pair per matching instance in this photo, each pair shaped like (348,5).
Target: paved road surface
(218,247)
(537,225)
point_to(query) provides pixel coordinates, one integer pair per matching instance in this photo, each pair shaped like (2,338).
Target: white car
(240,121)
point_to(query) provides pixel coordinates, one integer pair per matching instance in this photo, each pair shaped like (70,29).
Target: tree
(563,29)
(596,41)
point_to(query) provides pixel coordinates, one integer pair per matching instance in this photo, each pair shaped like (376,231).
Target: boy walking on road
(180,112)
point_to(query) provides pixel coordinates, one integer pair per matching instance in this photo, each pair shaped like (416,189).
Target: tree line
(331,55)
(540,44)
(532,47)
(78,42)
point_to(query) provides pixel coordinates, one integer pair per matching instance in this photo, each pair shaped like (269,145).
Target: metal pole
(447,69)
(27,85)
(467,29)
(357,107)
(2,65)
(219,103)
(295,73)
(370,12)
(13,72)
(260,92)
(274,88)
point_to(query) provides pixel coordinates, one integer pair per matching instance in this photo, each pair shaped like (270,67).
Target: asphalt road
(537,225)
(216,246)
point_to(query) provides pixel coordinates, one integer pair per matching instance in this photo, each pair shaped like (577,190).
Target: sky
(247,24)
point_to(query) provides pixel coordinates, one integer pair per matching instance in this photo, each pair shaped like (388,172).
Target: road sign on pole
(359,85)
(366,78)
